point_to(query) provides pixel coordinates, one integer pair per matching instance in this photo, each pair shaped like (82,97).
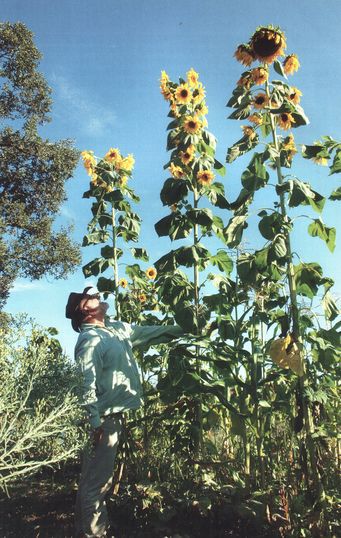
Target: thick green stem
(114,241)
(303,380)
(199,418)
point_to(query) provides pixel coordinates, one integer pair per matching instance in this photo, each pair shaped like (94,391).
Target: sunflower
(289,146)
(322,161)
(257,119)
(199,93)
(192,78)
(89,161)
(295,95)
(113,155)
(291,64)
(183,94)
(205,177)
(267,44)
(201,109)
(123,181)
(259,75)
(164,78)
(244,54)
(192,125)
(151,273)
(245,81)
(261,100)
(123,283)
(188,155)
(248,131)
(285,120)
(167,93)
(142,298)
(128,163)
(176,171)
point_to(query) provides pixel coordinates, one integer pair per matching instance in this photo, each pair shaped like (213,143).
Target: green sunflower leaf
(336,195)
(302,194)
(140,254)
(278,67)
(220,168)
(93,268)
(330,307)
(234,230)
(336,166)
(223,261)
(308,277)
(318,229)
(106,285)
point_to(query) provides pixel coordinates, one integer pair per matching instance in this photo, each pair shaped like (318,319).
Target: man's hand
(97,435)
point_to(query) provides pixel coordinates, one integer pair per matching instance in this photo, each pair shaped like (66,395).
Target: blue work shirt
(104,355)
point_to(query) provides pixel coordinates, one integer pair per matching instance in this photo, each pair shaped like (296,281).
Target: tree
(33,170)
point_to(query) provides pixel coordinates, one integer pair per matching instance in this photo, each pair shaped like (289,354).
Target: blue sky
(103,60)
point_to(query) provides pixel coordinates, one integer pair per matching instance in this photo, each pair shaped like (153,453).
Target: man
(110,386)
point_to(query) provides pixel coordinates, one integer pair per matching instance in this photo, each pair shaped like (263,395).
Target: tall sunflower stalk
(272,109)
(113,217)
(191,166)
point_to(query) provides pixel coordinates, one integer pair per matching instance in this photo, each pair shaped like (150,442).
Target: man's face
(92,305)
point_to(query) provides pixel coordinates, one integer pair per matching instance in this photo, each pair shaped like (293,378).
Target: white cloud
(91,117)
(20,287)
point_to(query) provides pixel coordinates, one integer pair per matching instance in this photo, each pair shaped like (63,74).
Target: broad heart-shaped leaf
(335,195)
(302,194)
(175,288)
(93,268)
(189,320)
(166,263)
(223,261)
(216,195)
(217,303)
(316,150)
(106,285)
(331,310)
(109,252)
(209,139)
(234,230)
(242,146)
(203,217)
(173,191)
(99,236)
(140,254)
(240,113)
(256,175)
(238,95)
(247,269)
(308,277)
(271,225)
(175,225)
(328,235)
(189,256)
(220,168)
(278,248)
(336,166)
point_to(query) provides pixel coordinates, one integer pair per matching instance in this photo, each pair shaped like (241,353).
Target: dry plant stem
(199,419)
(303,380)
(114,240)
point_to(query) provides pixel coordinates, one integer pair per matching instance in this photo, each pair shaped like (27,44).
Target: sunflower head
(259,75)
(142,298)
(192,125)
(183,94)
(291,64)
(295,95)
(267,43)
(192,78)
(113,155)
(244,54)
(285,120)
(151,273)
(256,118)
(89,161)
(261,100)
(248,131)
(176,171)
(128,163)
(205,177)
(123,283)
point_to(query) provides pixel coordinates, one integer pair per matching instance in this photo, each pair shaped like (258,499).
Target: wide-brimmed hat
(72,310)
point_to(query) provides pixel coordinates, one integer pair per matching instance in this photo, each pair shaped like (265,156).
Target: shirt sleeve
(88,359)
(147,335)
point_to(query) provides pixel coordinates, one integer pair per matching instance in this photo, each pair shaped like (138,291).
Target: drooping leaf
(173,191)
(271,225)
(308,278)
(330,307)
(318,229)
(234,230)
(140,254)
(335,195)
(223,261)
(302,194)
(99,236)
(106,285)
(94,267)
(336,166)
(220,168)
